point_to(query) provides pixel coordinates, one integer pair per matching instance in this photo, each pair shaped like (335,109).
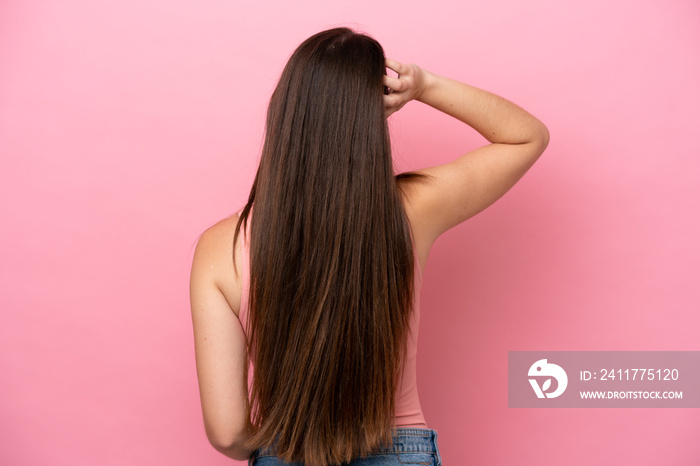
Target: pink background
(127,128)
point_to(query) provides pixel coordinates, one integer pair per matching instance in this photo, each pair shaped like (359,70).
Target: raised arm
(460,189)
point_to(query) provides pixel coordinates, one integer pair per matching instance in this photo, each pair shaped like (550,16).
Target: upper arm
(464,187)
(220,346)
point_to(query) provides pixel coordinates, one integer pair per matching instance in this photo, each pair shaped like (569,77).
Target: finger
(393,83)
(392,101)
(393,65)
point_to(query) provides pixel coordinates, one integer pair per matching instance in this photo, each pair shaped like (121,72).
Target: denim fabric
(411,446)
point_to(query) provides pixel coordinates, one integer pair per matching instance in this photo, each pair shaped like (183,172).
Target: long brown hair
(332,265)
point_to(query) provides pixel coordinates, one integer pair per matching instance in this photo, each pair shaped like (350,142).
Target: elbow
(539,141)
(229,444)
(543,137)
(221,441)
(235,452)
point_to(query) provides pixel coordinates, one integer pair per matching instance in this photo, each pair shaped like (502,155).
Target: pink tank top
(407,405)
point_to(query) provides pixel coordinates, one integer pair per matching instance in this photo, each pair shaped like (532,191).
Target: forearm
(495,118)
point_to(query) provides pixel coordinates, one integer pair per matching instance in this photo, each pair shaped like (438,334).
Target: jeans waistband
(404,439)
(412,439)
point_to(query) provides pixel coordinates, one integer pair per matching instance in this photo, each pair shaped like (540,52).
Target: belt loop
(437,449)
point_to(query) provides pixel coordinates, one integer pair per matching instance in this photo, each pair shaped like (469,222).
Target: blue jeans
(411,446)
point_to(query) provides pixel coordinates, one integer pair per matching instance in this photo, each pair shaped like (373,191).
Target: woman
(321,296)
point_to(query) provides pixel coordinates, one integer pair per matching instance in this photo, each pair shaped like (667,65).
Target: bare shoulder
(213,260)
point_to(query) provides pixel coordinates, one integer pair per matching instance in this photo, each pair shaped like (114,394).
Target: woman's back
(337,254)
(408,412)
